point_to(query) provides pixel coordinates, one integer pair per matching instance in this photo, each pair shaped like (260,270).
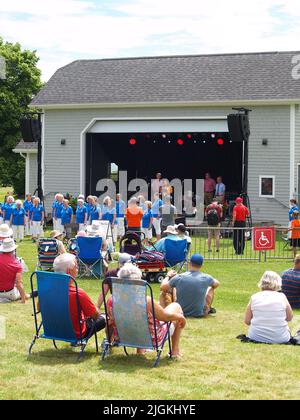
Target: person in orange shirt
(295,228)
(134,215)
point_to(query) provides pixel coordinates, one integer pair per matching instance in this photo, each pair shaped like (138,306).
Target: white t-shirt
(269,324)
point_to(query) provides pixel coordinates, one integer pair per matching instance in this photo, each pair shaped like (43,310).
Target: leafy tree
(22,82)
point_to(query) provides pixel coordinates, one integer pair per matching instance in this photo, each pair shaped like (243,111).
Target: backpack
(213,217)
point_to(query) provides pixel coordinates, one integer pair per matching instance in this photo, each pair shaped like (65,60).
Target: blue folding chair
(56,323)
(176,253)
(131,318)
(89,256)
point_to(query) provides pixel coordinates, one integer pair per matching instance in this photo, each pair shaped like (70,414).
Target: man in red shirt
(11,282)
(91,319)
(134,215)
(240,214)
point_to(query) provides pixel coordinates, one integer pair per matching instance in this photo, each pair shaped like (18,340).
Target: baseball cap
(239,200)
(197,260)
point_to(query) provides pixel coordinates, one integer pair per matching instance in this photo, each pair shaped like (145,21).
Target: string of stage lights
(181,140)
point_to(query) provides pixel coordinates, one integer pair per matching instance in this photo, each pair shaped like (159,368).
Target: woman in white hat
(58,236)
(11,281)
(5,232)
(18,221)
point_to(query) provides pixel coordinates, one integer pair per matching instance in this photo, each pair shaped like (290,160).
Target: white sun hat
(5,231)
(8,246)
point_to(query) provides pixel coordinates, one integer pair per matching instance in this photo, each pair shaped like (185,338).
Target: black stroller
(132,243)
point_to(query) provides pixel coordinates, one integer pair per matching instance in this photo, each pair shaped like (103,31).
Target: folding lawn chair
(131,318)
(47,252)
(89,256)
(53,298)
(176,253)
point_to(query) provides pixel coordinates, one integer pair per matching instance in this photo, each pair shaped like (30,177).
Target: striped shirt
(291,287)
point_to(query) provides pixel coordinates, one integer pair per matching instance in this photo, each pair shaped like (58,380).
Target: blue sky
(65,30)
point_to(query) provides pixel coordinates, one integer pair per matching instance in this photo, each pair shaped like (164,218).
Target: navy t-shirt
(191,288)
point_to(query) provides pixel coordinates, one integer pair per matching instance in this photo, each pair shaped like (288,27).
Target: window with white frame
(267,186)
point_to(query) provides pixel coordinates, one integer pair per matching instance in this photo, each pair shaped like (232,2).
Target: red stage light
(189,136)
(180,142)
(220,142)
(132,142)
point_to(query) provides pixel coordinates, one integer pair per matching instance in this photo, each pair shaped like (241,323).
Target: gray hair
(270,281)
(130,271)
(64,263)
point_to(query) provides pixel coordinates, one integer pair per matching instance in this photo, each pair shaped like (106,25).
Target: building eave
(178,104)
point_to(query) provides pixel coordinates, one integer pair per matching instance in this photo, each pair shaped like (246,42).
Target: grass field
(215,365)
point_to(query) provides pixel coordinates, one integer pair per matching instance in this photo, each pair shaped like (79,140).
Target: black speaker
(239,127)
(31,130)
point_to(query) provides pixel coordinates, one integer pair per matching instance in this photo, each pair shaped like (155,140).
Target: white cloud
(62,31)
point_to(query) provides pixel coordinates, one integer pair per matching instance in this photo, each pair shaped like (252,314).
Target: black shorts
(94,326)
(295,243)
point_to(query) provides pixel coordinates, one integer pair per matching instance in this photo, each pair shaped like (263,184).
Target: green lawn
(215,365)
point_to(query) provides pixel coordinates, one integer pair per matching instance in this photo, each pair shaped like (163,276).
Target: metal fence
(235,244)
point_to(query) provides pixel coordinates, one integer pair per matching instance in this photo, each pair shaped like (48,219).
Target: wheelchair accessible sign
(263,239)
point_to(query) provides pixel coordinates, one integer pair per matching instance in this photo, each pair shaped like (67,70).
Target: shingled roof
(27,147)
(203,78)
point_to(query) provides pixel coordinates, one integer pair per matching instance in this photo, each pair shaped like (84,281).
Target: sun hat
(239,200)
(81,197)
(197,260)
(5,231)
(171,230)
(8,245)
(55,234)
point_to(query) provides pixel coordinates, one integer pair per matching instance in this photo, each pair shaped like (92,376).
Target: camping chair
(89,257)
(176,253)
(53,297)
(47,252)
(131,318)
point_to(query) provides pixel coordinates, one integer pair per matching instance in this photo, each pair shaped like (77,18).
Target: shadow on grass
(64,355)
(132,363)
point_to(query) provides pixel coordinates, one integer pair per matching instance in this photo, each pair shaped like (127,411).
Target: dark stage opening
(175,155)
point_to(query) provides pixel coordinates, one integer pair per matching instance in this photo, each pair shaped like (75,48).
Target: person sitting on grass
(91,319)
(58,236)
(291,284)
(173,313)
(11,281)
(195,290)
(295,229)
(123,259)
(269,312)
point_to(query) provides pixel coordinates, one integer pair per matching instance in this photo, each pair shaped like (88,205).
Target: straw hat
(94,229)
(5,231)
(55,234)
(8,246)
(171,230)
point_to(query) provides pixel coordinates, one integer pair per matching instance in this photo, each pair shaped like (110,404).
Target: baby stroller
(132,243)
(47,252)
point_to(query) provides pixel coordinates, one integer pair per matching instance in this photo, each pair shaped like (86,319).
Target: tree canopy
(21,82)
